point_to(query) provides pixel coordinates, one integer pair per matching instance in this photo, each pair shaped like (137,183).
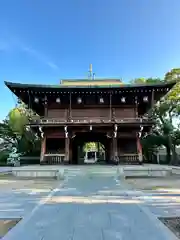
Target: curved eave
(40,87)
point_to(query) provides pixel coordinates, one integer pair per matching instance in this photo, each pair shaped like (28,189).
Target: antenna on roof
(91,75)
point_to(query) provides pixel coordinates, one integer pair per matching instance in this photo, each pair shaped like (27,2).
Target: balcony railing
(53,159)
(56,159)
(131,159)
(87,120)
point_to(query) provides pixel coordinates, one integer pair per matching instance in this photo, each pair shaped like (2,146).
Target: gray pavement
(161,204)
(90,207)
(5,169)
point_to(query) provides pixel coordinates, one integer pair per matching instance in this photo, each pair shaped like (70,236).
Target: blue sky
(44,41)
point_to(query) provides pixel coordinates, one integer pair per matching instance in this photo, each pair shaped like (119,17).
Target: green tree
(145,80)
(174,74)
(138,81)
(90,146)
(15,132)
(166,117)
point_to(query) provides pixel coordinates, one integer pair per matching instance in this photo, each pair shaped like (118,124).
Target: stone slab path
(90,207)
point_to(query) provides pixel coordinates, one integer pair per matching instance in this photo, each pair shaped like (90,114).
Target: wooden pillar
(43,149)
(67,144)
(110,149)
(110,106)
(70,151)
(114,148)
(152,98)
(139,150)
(70,111)
(136,107)
(45,107)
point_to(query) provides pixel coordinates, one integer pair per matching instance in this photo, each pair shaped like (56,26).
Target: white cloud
(13,43)
(40,57)
(52,65)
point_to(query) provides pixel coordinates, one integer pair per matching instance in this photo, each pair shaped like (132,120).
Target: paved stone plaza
(19,197)
(87,207)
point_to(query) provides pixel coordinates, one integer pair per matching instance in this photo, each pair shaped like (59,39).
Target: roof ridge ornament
(91,75)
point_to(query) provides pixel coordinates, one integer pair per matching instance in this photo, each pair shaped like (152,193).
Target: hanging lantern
(79,100)
(123,99)
(36,100)
(101,100)
(58,100)
(145,99)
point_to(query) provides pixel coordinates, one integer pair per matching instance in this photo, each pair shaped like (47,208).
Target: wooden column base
(114,152)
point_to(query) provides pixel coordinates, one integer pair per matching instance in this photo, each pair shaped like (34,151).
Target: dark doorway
(81,140)
(55,145)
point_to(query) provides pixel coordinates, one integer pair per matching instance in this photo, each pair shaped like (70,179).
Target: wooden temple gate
(120,147)
(81,110)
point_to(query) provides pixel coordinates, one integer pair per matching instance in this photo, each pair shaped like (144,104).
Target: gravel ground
(161,196)
(173,224)
(172,182)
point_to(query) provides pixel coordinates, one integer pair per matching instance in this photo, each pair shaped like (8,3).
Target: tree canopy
(166,115)
(15,132)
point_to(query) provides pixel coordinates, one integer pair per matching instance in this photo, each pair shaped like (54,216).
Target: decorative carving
(45,100)
(140,131)
(41,131)
(66,132)
(73,136)
(115,130)
(108,136)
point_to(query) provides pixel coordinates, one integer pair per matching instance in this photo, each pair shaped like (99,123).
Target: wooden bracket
(66,132)
(41,131)
(115,130)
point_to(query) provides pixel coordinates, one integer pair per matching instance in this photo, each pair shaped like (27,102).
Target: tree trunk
(174,160)
(168,155)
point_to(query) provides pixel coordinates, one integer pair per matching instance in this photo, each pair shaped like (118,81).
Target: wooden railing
(56,121)
(129,159)
(53,159)
(56,159)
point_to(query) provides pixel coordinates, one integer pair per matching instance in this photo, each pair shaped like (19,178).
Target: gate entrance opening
(90,148)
